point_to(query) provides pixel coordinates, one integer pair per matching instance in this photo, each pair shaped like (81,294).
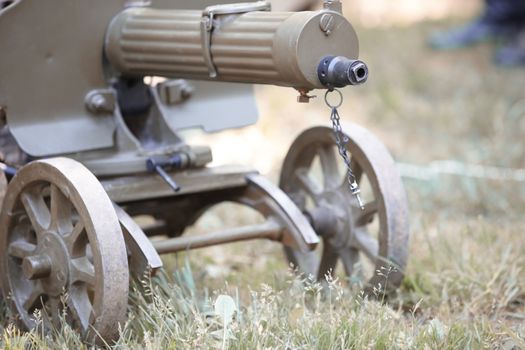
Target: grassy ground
(465,282)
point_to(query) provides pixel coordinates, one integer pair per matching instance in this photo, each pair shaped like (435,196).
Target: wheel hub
(50,264)
(333,218)
(37,266)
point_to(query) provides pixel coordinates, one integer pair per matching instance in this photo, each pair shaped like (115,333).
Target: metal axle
(268,230)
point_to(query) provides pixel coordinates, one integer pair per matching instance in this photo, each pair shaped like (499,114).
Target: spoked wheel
(63,251)
(371,244)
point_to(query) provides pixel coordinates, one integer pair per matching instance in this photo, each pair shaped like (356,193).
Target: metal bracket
(143,258)
(173,92)
(333,5)
(284,223)
(207,25)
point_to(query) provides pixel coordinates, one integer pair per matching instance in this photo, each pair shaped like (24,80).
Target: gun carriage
(88,146)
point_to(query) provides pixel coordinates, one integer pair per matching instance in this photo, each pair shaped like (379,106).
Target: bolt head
(327,23)
(98,101)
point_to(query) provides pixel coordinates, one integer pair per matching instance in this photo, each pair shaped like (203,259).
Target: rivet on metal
(98,101)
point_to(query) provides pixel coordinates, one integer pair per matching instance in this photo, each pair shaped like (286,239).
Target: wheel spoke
(54,308)
(33,297)
(349,257)
(328,261)
(82,270)
(80,307)
(307,184)
(21,249)
(60,211)
(54,305)
(76,240)
(328,160)
(36,210)
(366,215)
(365,243)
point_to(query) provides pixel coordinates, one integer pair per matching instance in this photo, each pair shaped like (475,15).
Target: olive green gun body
(283,48)
(73,72)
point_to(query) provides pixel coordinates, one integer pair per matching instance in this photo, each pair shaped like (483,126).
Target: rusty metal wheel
(63,253)
(372,243)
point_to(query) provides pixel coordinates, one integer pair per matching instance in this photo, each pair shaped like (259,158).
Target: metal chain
(341,140)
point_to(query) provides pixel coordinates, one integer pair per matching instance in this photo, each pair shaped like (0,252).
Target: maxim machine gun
(88,145)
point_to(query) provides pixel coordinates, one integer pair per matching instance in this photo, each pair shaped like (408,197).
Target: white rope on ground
(455,168)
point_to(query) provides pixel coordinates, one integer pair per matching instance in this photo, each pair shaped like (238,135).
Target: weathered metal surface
(285,223)
(294,5)
(269,230)
(143,259)
(125,163)
(269,200)
(43,86)
(84,116)
(188,4)
(65,124)
(63,249)
(10,152)
(148,186)
(335,214)
(277,5)
(217,97)
(210,96)
(256,47)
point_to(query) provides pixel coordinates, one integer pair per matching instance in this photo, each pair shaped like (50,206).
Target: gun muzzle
(334,72)
(237,43)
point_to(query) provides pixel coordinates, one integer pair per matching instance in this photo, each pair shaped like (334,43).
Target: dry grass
(464,286)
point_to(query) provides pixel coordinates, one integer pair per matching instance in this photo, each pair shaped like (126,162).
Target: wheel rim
(335,214)
(65,250)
